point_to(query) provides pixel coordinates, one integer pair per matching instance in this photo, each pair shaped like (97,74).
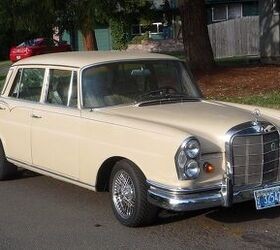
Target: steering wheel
(168,89)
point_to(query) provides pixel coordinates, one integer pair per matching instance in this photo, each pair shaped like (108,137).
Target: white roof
(84,58)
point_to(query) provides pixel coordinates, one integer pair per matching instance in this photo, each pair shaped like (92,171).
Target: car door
(16,105)
(56,125)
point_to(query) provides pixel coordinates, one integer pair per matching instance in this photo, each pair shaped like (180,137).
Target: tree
(118,13)
(197,44)
(84,15)
(37,17)
(17,24)
(120,20)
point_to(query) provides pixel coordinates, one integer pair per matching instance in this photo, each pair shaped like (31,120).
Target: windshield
(138,81)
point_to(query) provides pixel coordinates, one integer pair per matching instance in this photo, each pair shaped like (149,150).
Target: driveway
(38,212)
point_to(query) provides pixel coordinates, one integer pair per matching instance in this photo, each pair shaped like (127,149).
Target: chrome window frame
(9,76)
(47,83)
(8,89)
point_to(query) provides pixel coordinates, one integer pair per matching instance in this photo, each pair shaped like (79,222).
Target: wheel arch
(104,172)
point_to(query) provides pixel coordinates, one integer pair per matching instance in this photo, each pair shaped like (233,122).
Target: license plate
(267,198)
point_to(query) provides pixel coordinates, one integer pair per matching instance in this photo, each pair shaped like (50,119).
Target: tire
(130,205)
(7,169)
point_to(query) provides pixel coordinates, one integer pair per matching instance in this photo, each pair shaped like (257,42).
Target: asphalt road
(37,212)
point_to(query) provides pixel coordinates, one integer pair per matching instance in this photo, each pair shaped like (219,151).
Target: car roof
(80,59)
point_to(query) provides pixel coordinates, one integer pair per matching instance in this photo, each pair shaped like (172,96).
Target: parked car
(137,126)
(36,47)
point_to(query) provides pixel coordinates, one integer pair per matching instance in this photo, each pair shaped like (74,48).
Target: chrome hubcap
(123,191)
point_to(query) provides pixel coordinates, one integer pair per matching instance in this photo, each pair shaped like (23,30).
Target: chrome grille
(255,158)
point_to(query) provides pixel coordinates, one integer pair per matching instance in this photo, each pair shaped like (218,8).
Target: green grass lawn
(5,63)
(2,79)
(270,100)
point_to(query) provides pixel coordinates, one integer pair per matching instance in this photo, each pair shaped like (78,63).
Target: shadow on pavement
(237,214)
(243,212)
(24,174)
(167,217)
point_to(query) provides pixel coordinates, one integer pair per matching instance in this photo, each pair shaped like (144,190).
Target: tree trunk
(197,45)
(89,40)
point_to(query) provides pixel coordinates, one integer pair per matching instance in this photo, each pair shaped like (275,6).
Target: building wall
(103,39)
(269,31)
(245,8)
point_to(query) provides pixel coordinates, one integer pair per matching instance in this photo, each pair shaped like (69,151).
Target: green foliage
(140,39)
(26,19)
(270,100)
(120,33)
(120,20)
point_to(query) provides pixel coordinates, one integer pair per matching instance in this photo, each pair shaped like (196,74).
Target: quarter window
(62,88)
(28,84)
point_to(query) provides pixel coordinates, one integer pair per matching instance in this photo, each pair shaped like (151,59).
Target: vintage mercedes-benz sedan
(136,125)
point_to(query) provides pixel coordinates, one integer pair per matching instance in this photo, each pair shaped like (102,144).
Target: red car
(36,47)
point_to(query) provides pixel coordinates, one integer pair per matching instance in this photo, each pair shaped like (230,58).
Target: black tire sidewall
(7,169)
(140,194)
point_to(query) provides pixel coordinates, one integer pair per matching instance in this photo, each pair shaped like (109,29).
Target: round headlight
(182,159)
(192,170)
(192,148)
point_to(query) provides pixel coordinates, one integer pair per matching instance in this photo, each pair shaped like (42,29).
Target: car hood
(208,121)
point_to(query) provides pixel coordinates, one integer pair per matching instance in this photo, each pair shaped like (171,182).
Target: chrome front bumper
(186,200)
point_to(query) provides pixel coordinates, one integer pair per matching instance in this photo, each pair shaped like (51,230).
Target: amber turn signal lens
(208,168)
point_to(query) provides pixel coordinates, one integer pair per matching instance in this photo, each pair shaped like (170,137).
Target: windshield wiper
(150,94)
(160,95)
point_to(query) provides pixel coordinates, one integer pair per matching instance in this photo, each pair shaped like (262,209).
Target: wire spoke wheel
(123,193)
(129,195)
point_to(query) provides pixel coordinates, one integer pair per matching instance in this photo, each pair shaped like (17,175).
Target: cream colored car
(136,125)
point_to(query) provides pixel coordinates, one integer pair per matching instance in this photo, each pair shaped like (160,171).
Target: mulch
(239,81)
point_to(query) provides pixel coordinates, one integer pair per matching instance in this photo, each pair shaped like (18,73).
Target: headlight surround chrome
(187,159)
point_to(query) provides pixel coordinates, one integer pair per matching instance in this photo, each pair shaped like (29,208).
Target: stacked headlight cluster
(187,159)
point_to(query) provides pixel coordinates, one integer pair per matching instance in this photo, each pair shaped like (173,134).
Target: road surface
(38,212)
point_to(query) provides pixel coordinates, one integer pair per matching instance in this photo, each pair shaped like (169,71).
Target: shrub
(140,39)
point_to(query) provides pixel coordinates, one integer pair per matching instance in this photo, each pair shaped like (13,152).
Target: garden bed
(259,85)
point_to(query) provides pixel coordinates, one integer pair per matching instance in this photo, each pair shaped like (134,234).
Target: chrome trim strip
(41,65)
(51,174)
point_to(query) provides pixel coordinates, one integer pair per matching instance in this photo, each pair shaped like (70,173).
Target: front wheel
(129,195)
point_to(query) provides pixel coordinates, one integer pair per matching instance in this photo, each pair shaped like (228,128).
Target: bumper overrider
(187,200)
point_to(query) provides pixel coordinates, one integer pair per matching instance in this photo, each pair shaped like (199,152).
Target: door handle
(36,116)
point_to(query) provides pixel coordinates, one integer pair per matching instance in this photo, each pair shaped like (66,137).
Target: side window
(28,84)
(62,88)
